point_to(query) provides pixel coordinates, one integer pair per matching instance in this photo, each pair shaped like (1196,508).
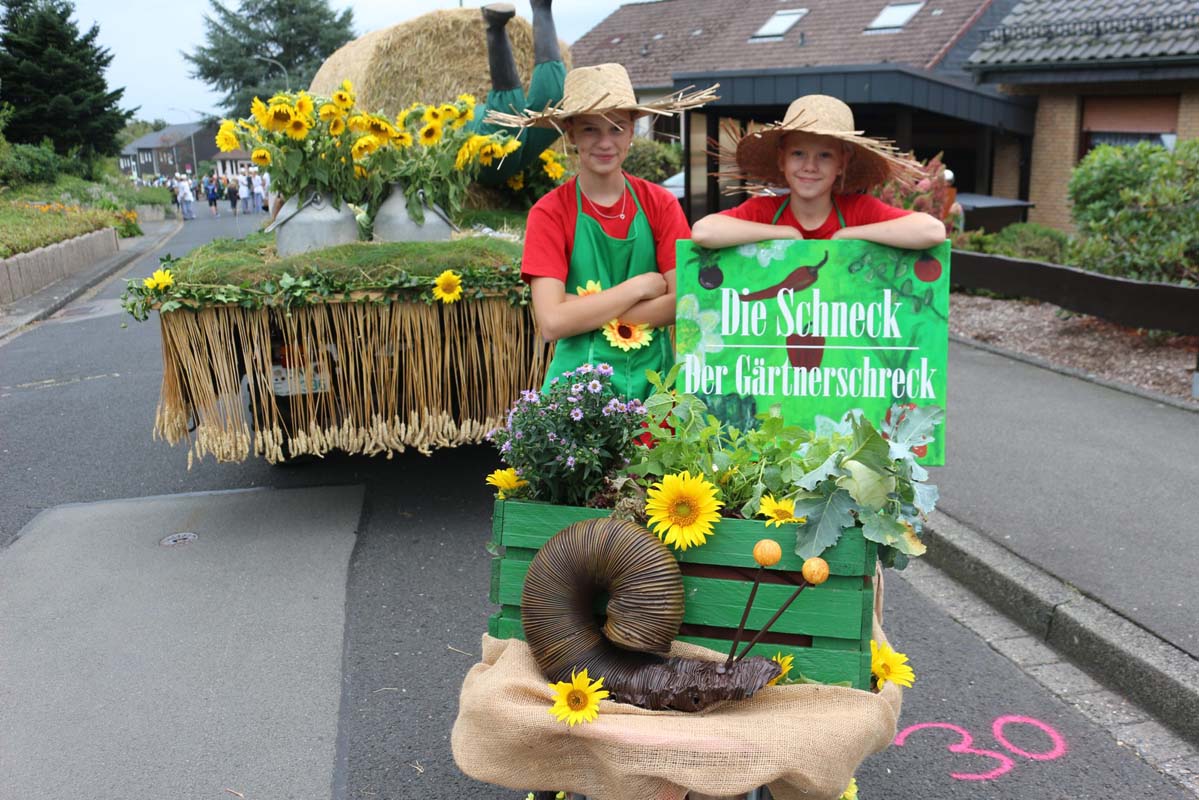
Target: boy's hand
(648,285)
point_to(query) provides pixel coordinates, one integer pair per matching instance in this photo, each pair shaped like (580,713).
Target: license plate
(288,381)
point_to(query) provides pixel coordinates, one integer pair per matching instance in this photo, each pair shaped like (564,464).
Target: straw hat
(874,161)
(601,89)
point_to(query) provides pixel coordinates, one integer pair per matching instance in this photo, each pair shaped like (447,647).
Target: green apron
(787,202)
(599,257)
(545,89)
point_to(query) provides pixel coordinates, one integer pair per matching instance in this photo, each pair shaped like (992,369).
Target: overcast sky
(146,36)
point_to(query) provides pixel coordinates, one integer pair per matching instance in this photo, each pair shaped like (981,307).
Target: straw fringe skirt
(399,375)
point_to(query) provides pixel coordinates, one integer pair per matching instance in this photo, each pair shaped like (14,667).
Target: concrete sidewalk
(1071,507)
(44,302)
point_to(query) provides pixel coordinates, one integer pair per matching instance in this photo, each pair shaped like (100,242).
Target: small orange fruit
(815,571)
(767,552)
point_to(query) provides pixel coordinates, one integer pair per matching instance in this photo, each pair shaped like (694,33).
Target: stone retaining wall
(25,273)
(148,213)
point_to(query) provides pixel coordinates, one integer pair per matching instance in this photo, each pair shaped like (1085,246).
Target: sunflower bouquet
(333,146)
(305,141)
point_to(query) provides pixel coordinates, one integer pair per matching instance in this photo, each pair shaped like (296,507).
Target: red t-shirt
(550,231)
(858,209)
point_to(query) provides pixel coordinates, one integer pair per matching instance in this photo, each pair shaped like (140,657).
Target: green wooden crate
(827,629)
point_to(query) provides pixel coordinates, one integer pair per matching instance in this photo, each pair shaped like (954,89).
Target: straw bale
(432,58)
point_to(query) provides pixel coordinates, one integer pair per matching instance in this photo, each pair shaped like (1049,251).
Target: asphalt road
(77,400)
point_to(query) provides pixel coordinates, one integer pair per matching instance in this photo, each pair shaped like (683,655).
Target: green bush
(1020,240)
(1137,213)
(29,163)
(652,160)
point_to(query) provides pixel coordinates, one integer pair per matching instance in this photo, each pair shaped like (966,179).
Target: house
(1101,72)
(230,163)
(898,64)
(175,148)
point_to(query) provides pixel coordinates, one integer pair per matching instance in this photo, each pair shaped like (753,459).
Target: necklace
(624,199)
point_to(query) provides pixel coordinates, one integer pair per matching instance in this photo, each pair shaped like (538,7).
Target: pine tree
(53,77)
(299,34)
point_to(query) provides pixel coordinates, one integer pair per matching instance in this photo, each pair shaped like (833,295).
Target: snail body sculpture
(569,577)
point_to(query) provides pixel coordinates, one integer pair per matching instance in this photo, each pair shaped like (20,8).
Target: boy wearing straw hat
(826,165)
(599,250)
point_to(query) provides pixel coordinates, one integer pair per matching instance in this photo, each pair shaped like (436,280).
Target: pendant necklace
(623,202)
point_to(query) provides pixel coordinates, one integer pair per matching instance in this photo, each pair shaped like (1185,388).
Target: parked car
(675,183)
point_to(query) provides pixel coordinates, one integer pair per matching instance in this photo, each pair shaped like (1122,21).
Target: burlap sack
(803,741)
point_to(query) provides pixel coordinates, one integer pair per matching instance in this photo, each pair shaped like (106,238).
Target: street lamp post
(286,79)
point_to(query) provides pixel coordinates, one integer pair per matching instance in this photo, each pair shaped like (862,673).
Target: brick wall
(1054,154)
(1005,167)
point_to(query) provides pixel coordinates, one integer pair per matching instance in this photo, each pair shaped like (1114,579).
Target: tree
(53,77)
(136,128)
(299,34)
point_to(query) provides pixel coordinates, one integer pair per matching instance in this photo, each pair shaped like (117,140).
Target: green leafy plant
(846,473)
(1019,240)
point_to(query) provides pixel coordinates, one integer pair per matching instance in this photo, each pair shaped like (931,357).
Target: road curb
(1082,375)
(1115,651)
(49,299)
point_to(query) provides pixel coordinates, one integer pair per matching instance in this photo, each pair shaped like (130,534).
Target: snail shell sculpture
(569,577)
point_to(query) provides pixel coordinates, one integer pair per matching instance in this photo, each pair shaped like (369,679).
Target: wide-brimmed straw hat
(601,89)
(754,158)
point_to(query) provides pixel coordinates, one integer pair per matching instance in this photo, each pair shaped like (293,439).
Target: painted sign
(816,327)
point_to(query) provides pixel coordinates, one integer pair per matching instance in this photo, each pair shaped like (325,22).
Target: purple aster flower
(573,399)
(518,435)
(553,406)
(595,387)
(576,414)
(576,389)
(585,369)
(570,462)
(608,410)
(553,437)
(506,448)
(604,369)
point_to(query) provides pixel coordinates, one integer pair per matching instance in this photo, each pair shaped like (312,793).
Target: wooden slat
(493,593)
(528,524)
(819,611)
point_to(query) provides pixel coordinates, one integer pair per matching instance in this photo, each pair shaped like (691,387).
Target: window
(781,22)
(892,18)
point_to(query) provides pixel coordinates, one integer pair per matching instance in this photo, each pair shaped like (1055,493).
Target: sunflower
(261,156)
(260,112)
(851,791)
(779,512)
(516,182)
(785,663)
(548,155)
(337,126)
(577,700)
(430,134)
(887,665)
(447,287)
(468,99)
(506,480)
(359,123)
(432,114)
(359,171)
(592,287)
(247,125)
(343,99)
(402,139)
(330,112)
(160,279)
(682,508)
(554,170)
(279,117)
(448,112)
(402,117)
(226,136)
(298,128)
(380,127)
(511,146)
(627,336)
(363,146)
(304,104)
